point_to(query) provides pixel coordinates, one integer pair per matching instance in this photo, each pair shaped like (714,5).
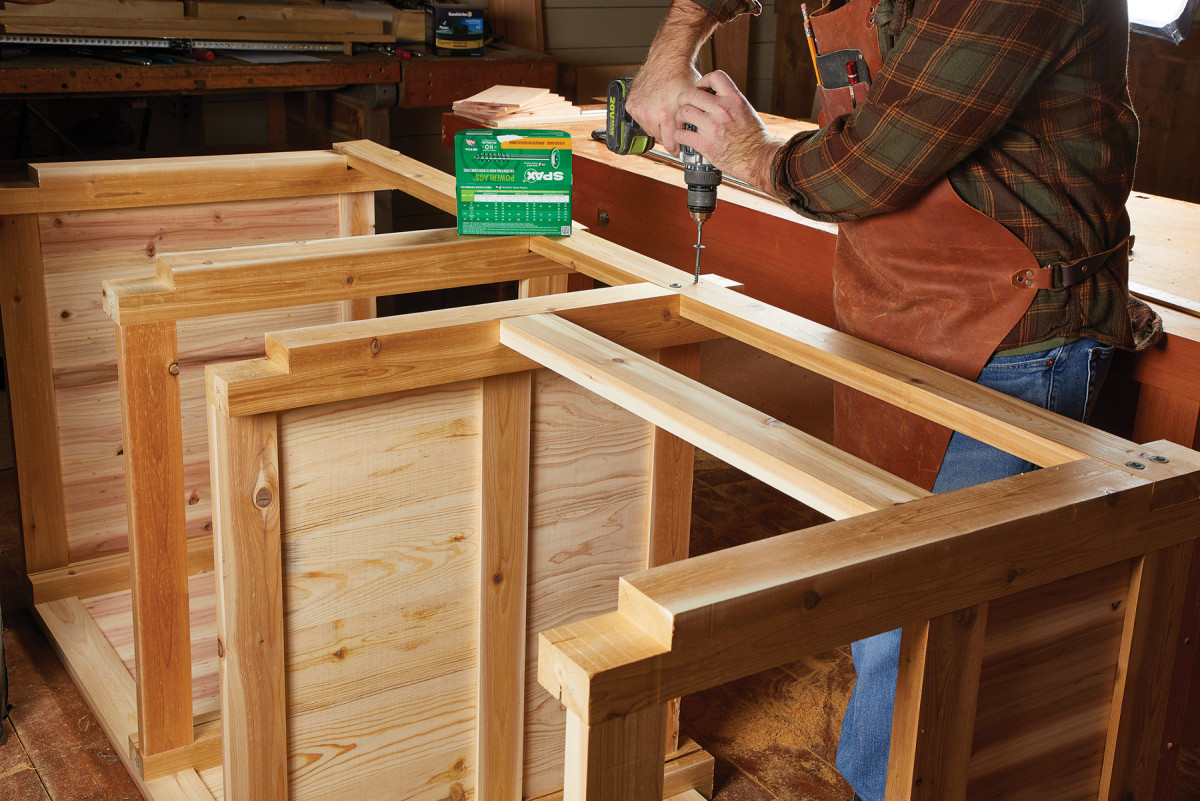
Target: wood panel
(588,526)
(381,570)
(80,249)
(112,613)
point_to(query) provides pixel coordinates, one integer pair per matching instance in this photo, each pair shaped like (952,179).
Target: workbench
(757,241)
(360,88)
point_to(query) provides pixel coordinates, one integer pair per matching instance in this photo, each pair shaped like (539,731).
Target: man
(978,176)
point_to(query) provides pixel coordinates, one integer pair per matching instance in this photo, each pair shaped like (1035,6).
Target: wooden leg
(936,694)
(147,358)
(620,759)
(34,415)
(1152,620)
(244,459)
(671,466)
(504,540)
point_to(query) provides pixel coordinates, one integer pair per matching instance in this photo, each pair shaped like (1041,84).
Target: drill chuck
(702,182)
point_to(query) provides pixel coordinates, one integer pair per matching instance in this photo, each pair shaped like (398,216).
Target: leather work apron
(937,281)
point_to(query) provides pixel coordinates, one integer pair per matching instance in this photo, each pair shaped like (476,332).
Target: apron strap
(1064,274)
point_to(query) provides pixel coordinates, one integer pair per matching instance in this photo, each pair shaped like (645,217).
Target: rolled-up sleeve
(959,73)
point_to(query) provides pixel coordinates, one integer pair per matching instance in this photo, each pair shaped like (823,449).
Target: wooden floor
(774,735)
(53,746)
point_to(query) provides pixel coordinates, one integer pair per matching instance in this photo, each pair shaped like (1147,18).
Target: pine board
(381,566)
(589,505)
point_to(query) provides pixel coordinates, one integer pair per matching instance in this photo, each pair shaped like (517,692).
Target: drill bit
(699,247)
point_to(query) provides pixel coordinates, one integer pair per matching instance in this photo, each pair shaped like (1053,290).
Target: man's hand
(729,132)
(668,71)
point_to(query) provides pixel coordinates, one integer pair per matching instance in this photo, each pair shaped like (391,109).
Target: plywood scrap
(512,106)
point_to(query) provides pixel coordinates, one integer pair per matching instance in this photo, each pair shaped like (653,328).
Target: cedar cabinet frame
(943,567)
(353,270)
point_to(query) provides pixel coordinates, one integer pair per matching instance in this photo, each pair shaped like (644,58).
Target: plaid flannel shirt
(1024,105)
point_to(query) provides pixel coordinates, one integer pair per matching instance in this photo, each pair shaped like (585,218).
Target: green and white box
(513,181)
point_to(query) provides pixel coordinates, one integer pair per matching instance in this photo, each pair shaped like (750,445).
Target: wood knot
(376,346)
(263,497)
(498,578)
(1012,576)
(666,314)
(220,648)
(811,599)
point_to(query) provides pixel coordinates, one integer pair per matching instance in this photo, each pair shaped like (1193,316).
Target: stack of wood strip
(501,106)
(213,19)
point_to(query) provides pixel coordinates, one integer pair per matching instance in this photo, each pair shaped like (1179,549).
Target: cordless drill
(624,136)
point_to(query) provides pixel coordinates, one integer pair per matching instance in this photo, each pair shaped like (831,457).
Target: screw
(1136,465)
(1159,459)
(173,369)
(676,286)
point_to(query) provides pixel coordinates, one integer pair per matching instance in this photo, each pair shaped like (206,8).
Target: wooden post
(147,361)
(1153,612)
(936,693)
(356,217)
(542,285)
(620,759)
(672,461)
(504,548)
(244,458)
(35,420)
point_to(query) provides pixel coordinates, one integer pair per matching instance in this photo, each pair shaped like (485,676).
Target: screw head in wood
(173,369)
(1159,459)
(1136,465)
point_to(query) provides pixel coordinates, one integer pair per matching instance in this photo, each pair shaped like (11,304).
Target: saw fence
(432,530)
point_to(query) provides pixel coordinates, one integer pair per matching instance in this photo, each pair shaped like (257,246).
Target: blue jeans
(1064,380)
